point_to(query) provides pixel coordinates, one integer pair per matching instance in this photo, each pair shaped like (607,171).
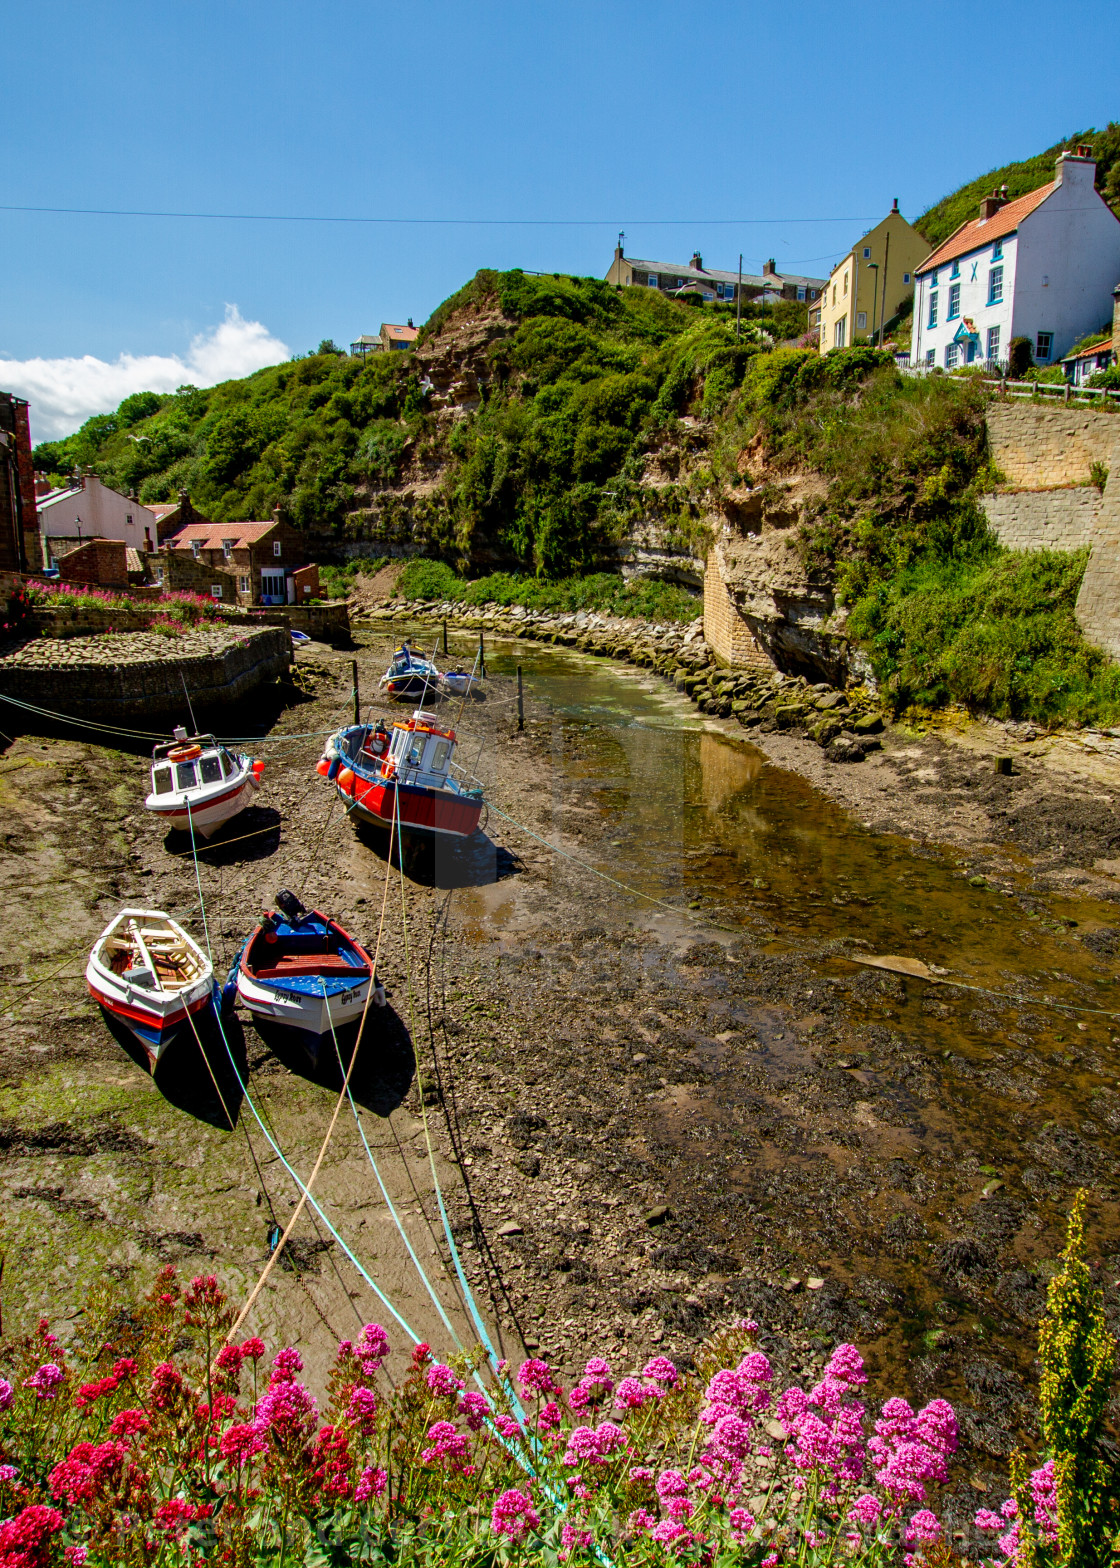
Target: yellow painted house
(870,284)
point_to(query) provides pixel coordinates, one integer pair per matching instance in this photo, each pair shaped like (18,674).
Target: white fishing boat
(198,783)
(456,682)
(410,675)
(148,972)
(301,970)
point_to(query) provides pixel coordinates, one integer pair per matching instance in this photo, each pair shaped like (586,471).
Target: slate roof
(715,275)
(982,231)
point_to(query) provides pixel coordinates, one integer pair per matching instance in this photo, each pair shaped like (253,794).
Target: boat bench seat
(310,964)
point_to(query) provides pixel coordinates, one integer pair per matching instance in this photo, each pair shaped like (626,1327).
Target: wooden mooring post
(357,699)
(481,656)
(445,639)
(520,701)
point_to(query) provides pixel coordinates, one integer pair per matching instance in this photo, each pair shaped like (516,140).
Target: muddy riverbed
(660,1089)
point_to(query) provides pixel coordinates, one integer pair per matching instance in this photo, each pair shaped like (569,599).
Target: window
(227,549)
(995,286)
(215,590)
(955,270)
(211,770)
(184,775)
(931,356)
(157,576)
(932,311)
(933,280)
(196,548)
(229,767)
(906,277)
(1043,344)
(834,293)
(812,293)
(438,762)
(276,547)
(861,321)
(954,302)
(997,251)
(128,518)
(651,280)
(243,583)
(993,342)
(839,332)
(845,283)
(950,355)
(800,292)
(161,781)
(867,253)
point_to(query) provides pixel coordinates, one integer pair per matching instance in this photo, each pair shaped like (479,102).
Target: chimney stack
(991,204)
(770,268)
(1074,164)
(697,261)
(894,207)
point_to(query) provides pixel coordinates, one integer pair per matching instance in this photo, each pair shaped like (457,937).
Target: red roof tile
(1096,347)
(406,334)
(970,236)
(210,535)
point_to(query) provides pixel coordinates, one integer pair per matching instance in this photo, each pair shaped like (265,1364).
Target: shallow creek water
(1018,1086)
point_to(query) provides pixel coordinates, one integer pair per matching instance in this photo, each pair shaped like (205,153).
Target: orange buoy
(322,767)
(346,780)
(257,769)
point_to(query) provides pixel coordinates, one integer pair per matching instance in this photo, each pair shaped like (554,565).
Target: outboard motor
(290,907)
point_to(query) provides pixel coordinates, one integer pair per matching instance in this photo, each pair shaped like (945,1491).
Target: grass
(337,581)
(606,592)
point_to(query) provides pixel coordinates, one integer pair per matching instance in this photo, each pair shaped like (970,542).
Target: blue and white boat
(300,970)
(410,675)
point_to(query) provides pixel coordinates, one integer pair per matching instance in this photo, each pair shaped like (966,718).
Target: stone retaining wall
(130,676)
(324,622)
(1040,447)
(725,629)
(1044,519)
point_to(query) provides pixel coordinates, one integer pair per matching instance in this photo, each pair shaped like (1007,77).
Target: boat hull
(154,1025)
(207,817)
(402,686)
(417,808)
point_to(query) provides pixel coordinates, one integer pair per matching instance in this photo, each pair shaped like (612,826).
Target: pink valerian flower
(670,1483)
(641,1519)
(579,1398)
(845,1365)
(670,1532)
(632,1394)
(25,1541)
(173,1517)
(866,1510)
(167,1386)
(639,1475)
(742,1523)
(287,1363)
(241,1442)
(373,1347)
(910,1449)
(513,1515)
(45,1381)
(508,1427)
(229,1359)
(474,1408)
(594,1445)
(573,1537)
(551,1417)
(362,1409)
(447,1444)
(129,1423)
(371,1483)
(924,1527)
(286,1413)
(662,1370)
(88,1470)
(252,1349)
(8,1473)
(597,1374)
(678,1508)
(987,1520)
(75,1556)
(6,1395)
(730,1439)
(536,1377)
(1044,1492)
(442,1381)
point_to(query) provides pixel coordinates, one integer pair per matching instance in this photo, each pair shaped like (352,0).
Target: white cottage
(1041,267)
(92,510)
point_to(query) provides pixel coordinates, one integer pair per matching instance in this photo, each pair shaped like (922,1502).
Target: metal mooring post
(520,701)
(481,656)
(445,639)
(357,700)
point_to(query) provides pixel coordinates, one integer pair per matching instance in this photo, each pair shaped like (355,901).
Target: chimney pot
(697,261)
(894,207)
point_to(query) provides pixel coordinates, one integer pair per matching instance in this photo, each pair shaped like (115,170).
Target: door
(272,586)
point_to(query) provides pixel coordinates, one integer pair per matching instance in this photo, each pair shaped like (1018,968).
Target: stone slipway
(130,675)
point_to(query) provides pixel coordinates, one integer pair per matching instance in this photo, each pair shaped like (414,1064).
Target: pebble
(510,1228)
(658,1215)
(816,1283)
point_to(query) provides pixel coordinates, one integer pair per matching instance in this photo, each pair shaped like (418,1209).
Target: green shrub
(606,592)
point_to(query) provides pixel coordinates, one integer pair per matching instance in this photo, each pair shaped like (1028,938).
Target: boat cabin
(423,749)
(191,763)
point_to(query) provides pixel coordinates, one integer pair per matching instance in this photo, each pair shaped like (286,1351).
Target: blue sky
(606,114)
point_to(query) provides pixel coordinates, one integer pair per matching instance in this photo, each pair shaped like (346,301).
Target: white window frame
(995,286)
(276,547)
(931,356)
(861,321)
(839,332)
(954,309)
(651,280)
(227,549)
(800,292)
(215,590)
(867,253)
(932,319)
(244,583)
(993,342)
(951,355)
(1038,352)
(196,548)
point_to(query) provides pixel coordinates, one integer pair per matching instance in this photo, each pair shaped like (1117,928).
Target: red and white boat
(403,774)
(199,784)
(145,970)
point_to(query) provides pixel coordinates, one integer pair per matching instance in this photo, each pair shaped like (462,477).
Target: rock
(831,699)
(774,1429)
(791,1285)
(1001,765)
(867,724)
(816,1283)
(657,1215)
(844,748)
(977,881)
(510,1228)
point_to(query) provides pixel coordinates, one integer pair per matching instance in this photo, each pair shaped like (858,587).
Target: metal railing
(1048,392)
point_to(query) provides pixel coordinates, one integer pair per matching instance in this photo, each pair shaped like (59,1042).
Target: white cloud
(65,392)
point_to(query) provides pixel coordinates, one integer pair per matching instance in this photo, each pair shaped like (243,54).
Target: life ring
(184,753)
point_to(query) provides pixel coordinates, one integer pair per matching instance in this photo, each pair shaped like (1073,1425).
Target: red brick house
(241,563)
(19,524)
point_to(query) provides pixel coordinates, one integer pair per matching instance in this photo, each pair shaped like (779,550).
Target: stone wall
(324,622)
(1098,603)
(1044,519)
(726,631)
(1039,447)
(130,677)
